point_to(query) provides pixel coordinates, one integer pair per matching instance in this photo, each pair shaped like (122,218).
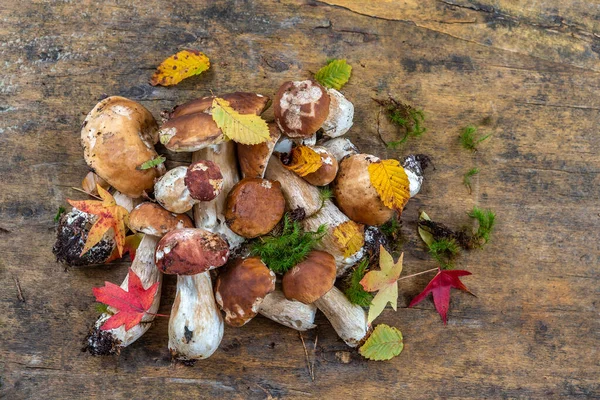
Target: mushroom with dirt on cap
(154,222)
(300,108)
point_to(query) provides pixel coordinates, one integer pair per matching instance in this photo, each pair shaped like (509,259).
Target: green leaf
(61,211)
(384,343)
(102,308)
(151,163)
(334,75)
(425,235)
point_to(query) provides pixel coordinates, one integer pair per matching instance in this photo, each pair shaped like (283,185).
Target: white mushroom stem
(211,215)
(341,113)
(125,201)
(413,170)
(297,192)
(293,314)
(112,341)
(196,325)
(348,320)
(332,217)
(340,148)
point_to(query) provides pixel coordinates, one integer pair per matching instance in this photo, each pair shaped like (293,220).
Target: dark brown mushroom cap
(190,252)
(152,219)
(254,206)
(240,290)
(311,278)
(204,180)
(242,102)
(301,107)
(254,158)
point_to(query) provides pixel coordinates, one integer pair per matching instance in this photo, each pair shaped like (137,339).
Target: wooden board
(526,72)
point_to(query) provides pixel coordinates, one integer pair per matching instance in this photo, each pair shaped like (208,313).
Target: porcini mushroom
(241,289)
(182,187)
(152,219)
(254,158)
(312,281)
(117,136)
(341,113)
(300,108)
(290,313)
(340,148)
(254,206)
(191,126)
(326,172)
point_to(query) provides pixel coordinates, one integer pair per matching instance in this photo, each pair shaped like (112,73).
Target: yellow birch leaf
(179,66)
(391,183)
(304,161)
(351,236)
(385,343)
(241,128)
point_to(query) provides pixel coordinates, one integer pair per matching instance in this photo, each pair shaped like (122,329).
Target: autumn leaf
(304,160)
(384,343)
(334,75)
(391,183)
(132,242)
(241,128)
(154,162)
(110,215)
(426,236)
(179,66)
(384,282)
(350,236)
(440,287)
(131,305)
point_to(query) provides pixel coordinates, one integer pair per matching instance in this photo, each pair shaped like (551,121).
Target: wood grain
(526,72)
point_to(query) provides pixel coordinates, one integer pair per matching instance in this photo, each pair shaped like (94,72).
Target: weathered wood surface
(526,71)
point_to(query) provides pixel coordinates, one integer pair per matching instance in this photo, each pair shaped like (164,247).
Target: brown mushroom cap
(301,107)
(253,159)
(152,219)
(254,206)
(204,180)
(190,251)
(311,278)
(171,192)
(326,172)
(241,289)
(242,102)
(354,193)
(117,136)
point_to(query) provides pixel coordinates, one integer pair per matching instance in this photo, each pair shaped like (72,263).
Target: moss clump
(355,292)
(408,119)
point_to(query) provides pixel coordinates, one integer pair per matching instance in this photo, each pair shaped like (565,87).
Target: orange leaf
(391,183)
(132,242)
(350,235)
(110,215)
(131,305)
(179,66)
(304,160)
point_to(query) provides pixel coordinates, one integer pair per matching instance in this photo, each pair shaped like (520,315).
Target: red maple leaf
(131,305)
(439,287)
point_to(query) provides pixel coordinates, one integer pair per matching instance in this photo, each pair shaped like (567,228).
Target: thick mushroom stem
(290,313)
(332,217)
(210,215)
(414,171)
(340,148)
(101,342)
(297,192)
(196,325)
(349,320)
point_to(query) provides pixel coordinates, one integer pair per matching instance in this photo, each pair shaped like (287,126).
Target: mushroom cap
(204,180)
(301,107)
(152,219)
(354,193)
(253,159)
(254,207)
(341,113)
(311,278)
(171,192)
(117,136)
(326,172)
(241,289)
(190,251)
(242,102)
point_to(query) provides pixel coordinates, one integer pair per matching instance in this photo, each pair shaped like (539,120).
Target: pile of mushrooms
(197,218)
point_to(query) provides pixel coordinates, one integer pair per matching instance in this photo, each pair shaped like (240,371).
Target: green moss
(443,251)
(355,292)
(467,177)
(468,138)
(280,253)
(408,119)
(486,220)
(61,211)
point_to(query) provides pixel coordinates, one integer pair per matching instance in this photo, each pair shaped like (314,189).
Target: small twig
(19,291)
(418,273)
(378,126)
(83,191)
(308,365)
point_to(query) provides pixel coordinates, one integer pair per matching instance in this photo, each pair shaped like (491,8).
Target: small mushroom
(326,172)
(190,251)
(341,113)
(312,281)
(300,108)
(182,187)
(254,158)
(241,288)
(152,219)
(191,126)
(117,136)
(254,207)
